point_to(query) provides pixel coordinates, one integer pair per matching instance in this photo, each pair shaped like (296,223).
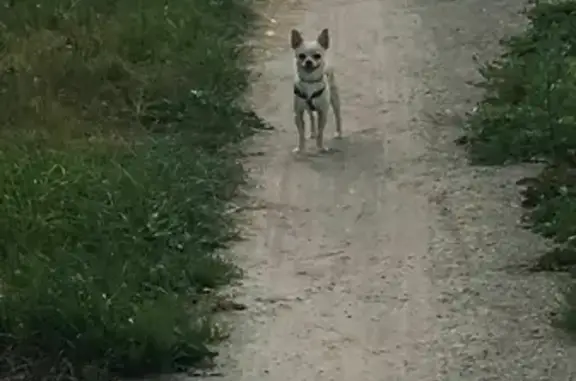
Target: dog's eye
(317,56)
(302,56)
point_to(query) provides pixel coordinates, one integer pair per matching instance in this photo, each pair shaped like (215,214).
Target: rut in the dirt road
(384,260)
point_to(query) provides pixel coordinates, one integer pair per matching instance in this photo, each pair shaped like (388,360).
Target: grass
(118,155)
(528,114)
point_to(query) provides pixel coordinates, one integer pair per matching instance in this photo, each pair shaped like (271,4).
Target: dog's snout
(308,64)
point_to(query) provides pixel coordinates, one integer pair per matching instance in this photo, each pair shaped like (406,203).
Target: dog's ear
(296,39)
(324,39)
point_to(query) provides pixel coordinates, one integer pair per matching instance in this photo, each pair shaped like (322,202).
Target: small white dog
(315,88)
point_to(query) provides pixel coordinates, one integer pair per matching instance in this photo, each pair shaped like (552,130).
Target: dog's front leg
(299,121)
(322,119)
(313,132)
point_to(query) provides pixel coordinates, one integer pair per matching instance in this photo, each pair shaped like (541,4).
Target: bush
(117,158)
(528,114)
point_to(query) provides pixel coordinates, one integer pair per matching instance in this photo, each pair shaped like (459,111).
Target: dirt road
(390,259)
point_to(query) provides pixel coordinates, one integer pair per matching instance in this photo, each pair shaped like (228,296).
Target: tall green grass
(118,129)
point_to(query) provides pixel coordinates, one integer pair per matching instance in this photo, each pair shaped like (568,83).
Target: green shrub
(528,114)
(117,158)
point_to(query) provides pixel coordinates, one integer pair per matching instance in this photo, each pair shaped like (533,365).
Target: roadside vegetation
(119,124)
(528,114)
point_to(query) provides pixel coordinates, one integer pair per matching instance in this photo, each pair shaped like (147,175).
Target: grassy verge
(118,154)
(529,114)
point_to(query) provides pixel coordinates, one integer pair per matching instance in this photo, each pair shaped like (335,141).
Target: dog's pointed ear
(296,39)
(324,39)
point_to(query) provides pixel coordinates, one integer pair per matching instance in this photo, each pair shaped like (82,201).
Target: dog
(315,89)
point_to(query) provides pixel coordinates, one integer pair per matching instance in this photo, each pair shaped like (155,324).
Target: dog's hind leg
(299,121)
(335,103)
(313,131)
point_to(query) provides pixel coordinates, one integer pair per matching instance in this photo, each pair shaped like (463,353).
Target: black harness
(302,95)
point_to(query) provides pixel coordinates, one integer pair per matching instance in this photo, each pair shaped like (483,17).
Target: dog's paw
(298,150)
(338,135)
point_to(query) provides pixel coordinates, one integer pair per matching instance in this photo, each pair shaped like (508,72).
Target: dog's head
(310,54)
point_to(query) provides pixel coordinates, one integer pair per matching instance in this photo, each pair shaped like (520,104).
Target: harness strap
(309,100)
